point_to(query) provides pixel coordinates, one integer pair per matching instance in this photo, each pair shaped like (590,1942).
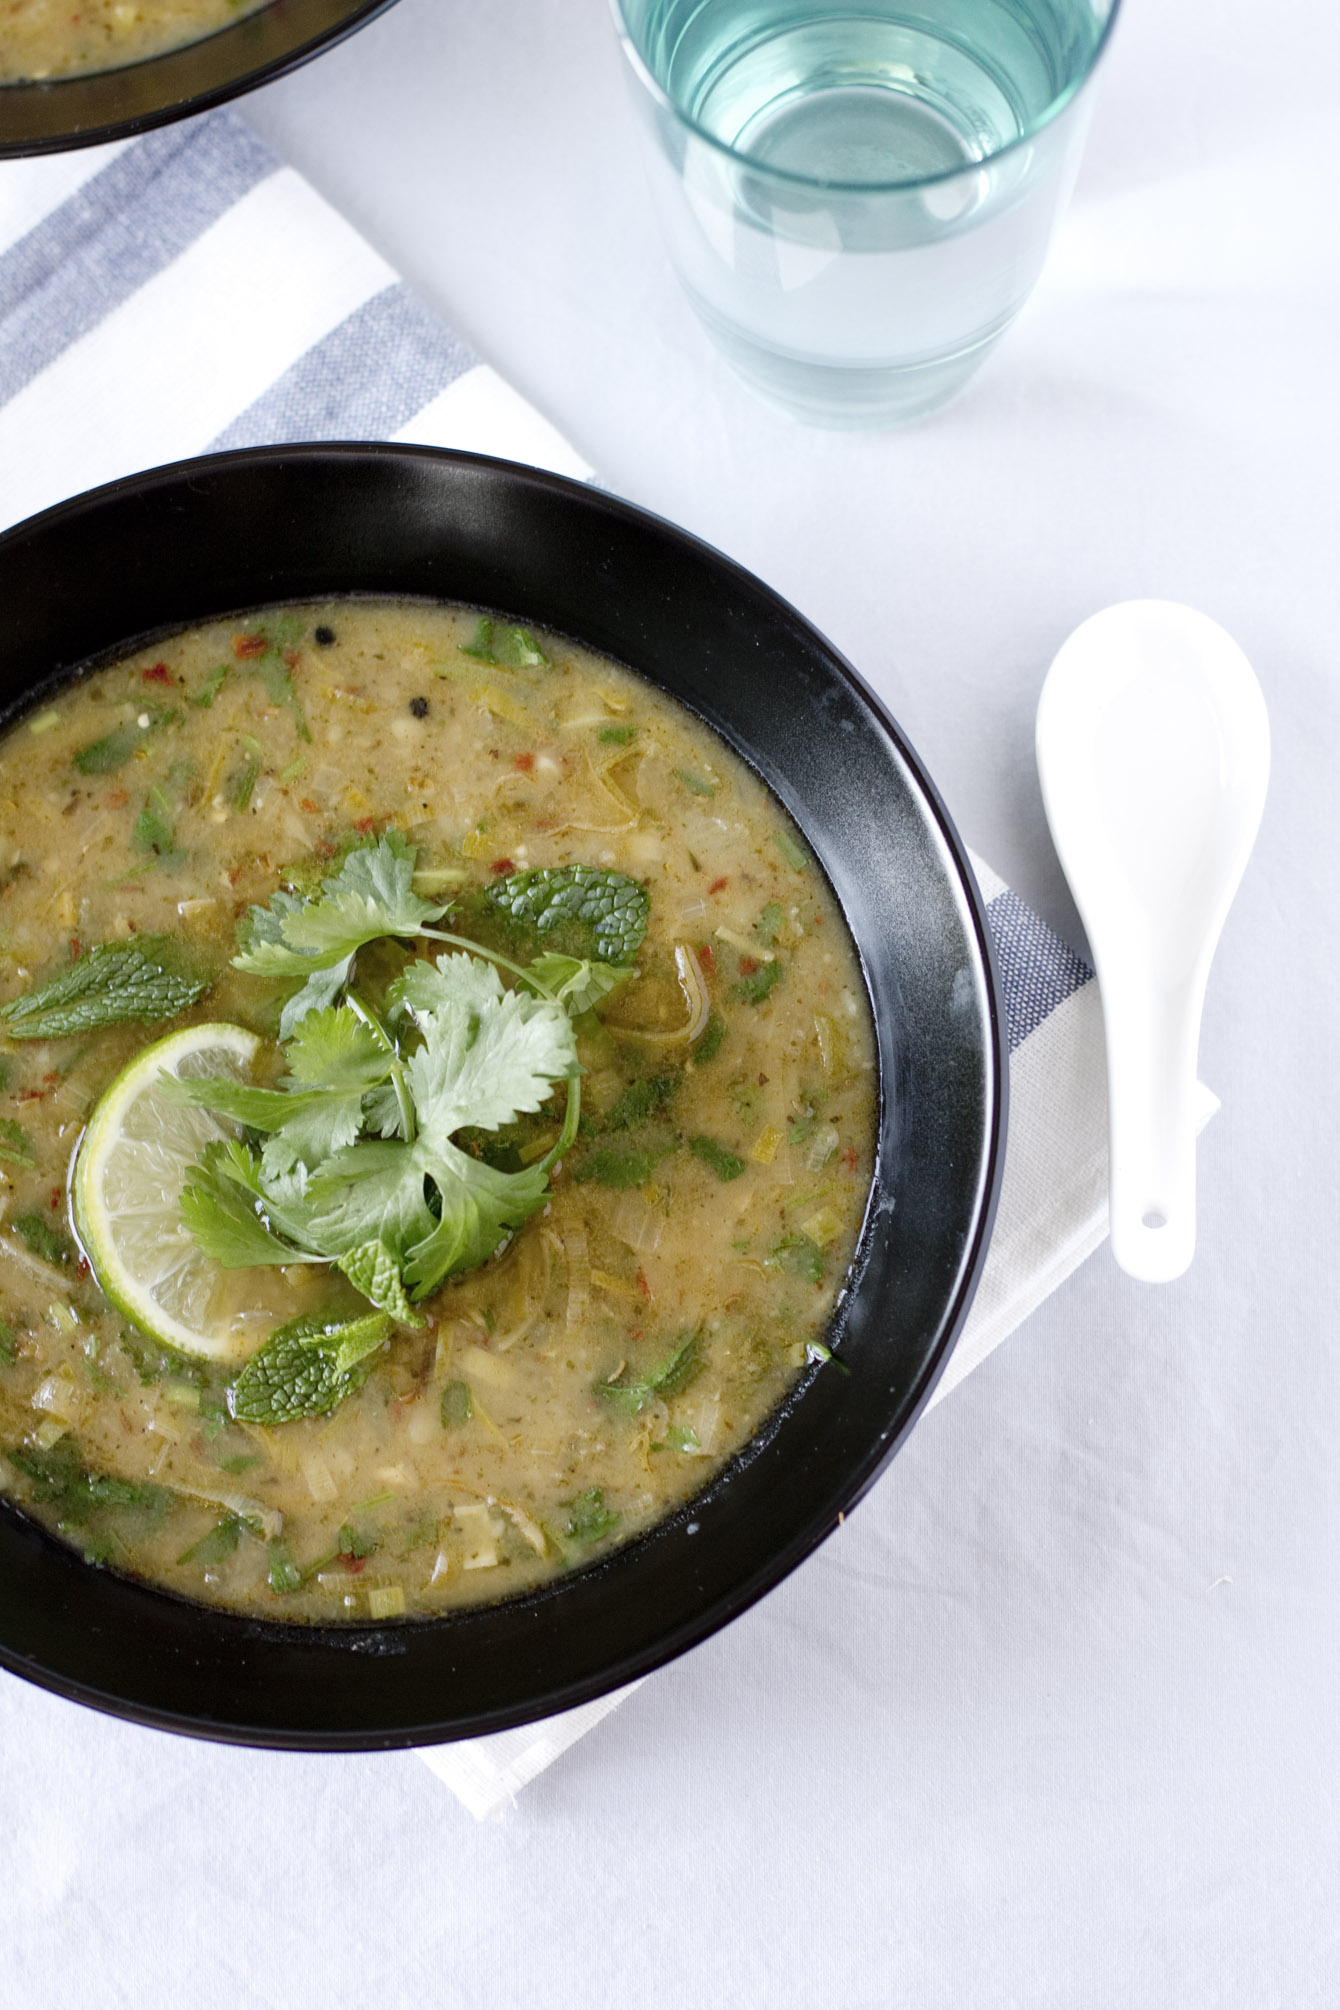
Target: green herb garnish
(770,924)
(505,646)
(697,784)
(16,1147)
(316,937)
(617,736)
(709,1046)
(611,906)
(670,1379)
(621,1169)
(142,979)
(307,1368)
(284,1573)
(799,1254)
(217,1544)
(60,1478)
(753,987)
(723,1163)
(589,1520)
(44,1240)
(105,756)
(457,1405)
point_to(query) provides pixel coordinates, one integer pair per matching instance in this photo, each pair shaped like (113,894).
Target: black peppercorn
(324,636)
(419,707)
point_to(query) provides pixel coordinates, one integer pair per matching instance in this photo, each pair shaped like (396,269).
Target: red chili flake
(157,673)
(75,951)
(84,1267)
(502,865)
(324,848)
(635,1332)
(748,965)
(525,762)
(542,823)
(51,1078)
(817,922)
(364,825)
(250,645)
(642,1284)
(30,1095)
(849,1157)
(118,799)
(306,803)
(353,1563)
(57,1196)
(293,657)
(717,884)
(707,959)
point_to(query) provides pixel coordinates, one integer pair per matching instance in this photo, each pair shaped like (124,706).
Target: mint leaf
(114,982)
(612,907)
(306,1368)
(670,1379)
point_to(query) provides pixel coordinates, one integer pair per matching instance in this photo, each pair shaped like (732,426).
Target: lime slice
(133,1162)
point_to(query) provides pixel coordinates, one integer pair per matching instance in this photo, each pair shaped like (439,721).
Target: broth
(42,39)
(642,1325)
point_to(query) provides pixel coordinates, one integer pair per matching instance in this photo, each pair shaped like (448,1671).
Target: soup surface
(53,38)
(670,1269)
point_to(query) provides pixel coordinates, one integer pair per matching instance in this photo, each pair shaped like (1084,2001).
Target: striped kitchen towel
(119,350)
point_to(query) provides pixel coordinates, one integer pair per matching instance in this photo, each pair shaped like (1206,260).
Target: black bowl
(237,531)
(112,104)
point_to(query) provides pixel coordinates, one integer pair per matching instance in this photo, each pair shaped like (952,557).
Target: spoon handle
(1152,1035)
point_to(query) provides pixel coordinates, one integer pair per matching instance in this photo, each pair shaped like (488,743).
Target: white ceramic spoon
(1153,750)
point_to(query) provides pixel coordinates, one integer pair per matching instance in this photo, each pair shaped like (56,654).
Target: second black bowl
(239,531)
(50,117)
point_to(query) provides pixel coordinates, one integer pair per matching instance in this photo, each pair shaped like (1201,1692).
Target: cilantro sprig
(350,1159)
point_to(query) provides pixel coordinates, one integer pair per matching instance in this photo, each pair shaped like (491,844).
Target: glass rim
(791,178)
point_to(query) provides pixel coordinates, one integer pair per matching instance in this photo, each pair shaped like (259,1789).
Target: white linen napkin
(118,352)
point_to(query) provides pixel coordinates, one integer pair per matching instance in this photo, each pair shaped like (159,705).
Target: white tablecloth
(1052,1720)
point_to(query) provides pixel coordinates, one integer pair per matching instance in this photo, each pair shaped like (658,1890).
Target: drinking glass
(858,194)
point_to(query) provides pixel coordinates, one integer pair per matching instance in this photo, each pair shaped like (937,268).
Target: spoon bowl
(1153,751)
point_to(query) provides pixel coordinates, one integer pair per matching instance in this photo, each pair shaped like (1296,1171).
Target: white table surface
(1055,1718)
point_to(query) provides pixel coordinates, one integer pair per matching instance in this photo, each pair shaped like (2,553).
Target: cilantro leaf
(229,1214)
(488,1054)
(306,1368)
(141,979)
(579,985)
(612,907)
(16,1147)
(589,1519)
(317,938)
(504,645)
(59,1476)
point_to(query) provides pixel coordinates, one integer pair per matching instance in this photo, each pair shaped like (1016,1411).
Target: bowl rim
(62,114)
(780,1558)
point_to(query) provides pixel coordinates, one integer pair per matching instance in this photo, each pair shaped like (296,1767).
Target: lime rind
(133,1161)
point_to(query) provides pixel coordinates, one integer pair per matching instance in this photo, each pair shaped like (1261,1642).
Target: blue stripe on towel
(1037,970)
(363,381)
(116,233)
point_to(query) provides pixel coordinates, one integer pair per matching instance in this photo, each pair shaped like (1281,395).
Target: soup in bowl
(547,945)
